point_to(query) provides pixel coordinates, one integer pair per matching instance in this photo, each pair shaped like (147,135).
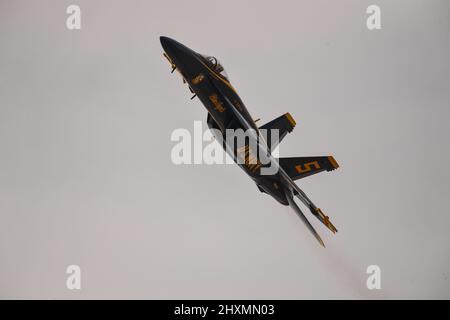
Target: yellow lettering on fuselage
(218,105)
(251,162)
(198,79)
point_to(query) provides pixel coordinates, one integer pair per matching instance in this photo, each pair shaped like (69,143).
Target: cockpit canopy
(215,65)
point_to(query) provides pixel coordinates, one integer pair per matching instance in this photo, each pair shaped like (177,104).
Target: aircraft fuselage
(222,101)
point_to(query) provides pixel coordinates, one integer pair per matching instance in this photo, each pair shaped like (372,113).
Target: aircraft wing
(307,202)
(299,212)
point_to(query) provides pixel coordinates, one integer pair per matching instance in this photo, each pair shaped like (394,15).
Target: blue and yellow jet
(208,81)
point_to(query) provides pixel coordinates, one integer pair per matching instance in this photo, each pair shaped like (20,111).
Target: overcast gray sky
(86,176)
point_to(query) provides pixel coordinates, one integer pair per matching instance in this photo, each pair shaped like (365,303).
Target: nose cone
(166,42)
(184,58)
(175,50)
(172,47)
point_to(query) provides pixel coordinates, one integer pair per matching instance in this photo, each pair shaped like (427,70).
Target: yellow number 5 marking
(307,167)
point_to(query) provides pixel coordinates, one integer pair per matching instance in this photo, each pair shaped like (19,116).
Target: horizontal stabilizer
(301,167)
(283,124)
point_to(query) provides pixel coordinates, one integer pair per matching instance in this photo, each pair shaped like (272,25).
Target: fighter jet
(207,80)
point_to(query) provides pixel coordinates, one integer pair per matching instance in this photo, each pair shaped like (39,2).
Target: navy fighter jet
(208,81)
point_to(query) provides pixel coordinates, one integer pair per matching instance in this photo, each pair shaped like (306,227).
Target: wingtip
(305,220)
(322,243)
(319,238)
(333,162)
(324,219)
(290,119)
